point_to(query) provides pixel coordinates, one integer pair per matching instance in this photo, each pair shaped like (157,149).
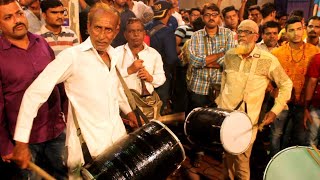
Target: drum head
(236,132)
(294,163)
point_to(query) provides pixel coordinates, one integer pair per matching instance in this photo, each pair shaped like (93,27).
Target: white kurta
(93,90)
(152,62)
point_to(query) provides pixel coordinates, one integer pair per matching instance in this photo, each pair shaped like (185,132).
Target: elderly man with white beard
(247,73)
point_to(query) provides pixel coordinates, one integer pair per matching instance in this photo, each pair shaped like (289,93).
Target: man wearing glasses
(247,73)
(207,49)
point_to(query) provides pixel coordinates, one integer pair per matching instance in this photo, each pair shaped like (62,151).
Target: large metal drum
(151,152)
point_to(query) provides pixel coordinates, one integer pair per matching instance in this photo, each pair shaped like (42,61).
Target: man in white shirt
(33,15)
(138,61)
(141,10)
(93,89)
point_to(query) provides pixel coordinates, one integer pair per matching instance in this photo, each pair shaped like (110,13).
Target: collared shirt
(94,92)
(152,62)
(164,41)
(18,69)
(66,38)
(263,46)
(34,22)
(200,47)
(295,63)
(237,85)
(178,18)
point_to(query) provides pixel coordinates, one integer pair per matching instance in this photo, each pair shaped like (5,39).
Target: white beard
(244,48)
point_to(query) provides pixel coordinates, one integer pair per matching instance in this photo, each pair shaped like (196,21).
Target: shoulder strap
(156,29)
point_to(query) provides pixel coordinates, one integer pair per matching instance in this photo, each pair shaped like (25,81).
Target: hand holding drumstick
(268,119)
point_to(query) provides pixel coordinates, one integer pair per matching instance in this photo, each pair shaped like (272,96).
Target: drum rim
(174,136)
(185,124)
(221,135)
(277,154)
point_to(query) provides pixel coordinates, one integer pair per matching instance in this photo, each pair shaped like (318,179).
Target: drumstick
(312,155)
(40,171)
(316,149)
(260,127)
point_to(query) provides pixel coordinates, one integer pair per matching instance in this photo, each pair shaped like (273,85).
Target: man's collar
(217,33)
(87,45)
(44,29)
(32,40)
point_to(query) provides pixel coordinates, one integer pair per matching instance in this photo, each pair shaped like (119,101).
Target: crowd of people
(265,63)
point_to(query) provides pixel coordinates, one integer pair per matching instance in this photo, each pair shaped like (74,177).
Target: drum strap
(85,150)
(251,74)
(137,111)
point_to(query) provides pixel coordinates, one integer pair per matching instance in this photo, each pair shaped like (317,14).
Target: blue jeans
(50,156)
(277,131)
(164,91)
(197,100)
(313,129)
(295,133)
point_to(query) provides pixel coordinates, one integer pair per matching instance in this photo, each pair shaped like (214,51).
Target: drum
(294,163)
(214,127)
(151,152)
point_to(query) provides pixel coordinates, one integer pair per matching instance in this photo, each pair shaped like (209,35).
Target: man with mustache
(93,89)
(313,30)
(207,48)
(247,73)
(58,36)
(23,56)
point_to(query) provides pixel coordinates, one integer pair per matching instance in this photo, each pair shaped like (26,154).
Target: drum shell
(151,152)
(293,163)
(219,129)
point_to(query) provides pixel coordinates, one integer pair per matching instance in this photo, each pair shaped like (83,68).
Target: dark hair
(281,14)
(298,13)
(270,24)
(5,2)
(228,9)
(198,24)
(267,9)
(313,18)
(255,7)
(133,20)
(292,20)
(46,4)
(210,6)
(195,9)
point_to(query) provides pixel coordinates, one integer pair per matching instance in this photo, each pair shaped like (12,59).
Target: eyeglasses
(246,32)
(211,15)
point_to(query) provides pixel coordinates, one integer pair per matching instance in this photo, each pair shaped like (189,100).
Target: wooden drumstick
(316,149)
(40,171)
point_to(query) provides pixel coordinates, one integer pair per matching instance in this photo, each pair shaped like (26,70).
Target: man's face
(194,15)
(103,29)
(211,18)
(313,28)
(120,3)
(295,32)
(24,2)
(54,16)
(270,37)
(255,15)
(246,40)
(135,34)
(231,19)
(35,8)
(13,22)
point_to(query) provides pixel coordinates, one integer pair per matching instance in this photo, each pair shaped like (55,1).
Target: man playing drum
(247,72)
(93,89)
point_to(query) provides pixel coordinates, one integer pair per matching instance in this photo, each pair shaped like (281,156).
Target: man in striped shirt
(57,36)
(207,49)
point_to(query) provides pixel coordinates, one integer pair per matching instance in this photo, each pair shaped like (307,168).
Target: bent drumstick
(40,171)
